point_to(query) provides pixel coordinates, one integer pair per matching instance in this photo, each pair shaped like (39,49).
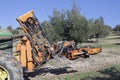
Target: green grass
(115,45)
(110,73)
(81,76)
(115,38)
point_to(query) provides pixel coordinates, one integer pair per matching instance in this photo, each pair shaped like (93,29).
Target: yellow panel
(30,66)
(25,16)
(23,56)
(28,50)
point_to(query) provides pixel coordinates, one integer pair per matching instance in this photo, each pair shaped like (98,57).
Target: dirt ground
(54,68)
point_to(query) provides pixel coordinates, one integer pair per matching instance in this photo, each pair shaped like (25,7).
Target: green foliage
(117,28)
(49,30)
(57,21)
(97,28)
(13,31)
(77,25)
(71,25)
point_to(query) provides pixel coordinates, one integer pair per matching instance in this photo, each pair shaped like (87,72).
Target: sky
(11,9)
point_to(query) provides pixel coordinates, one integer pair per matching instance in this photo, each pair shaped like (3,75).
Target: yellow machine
(34,50)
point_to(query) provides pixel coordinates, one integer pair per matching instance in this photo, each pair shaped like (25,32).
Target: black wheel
(10,68)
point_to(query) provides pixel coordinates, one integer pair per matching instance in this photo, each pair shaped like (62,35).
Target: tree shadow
(91,41)
(116,43)
(43,71)
(109,74)
(114,38)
